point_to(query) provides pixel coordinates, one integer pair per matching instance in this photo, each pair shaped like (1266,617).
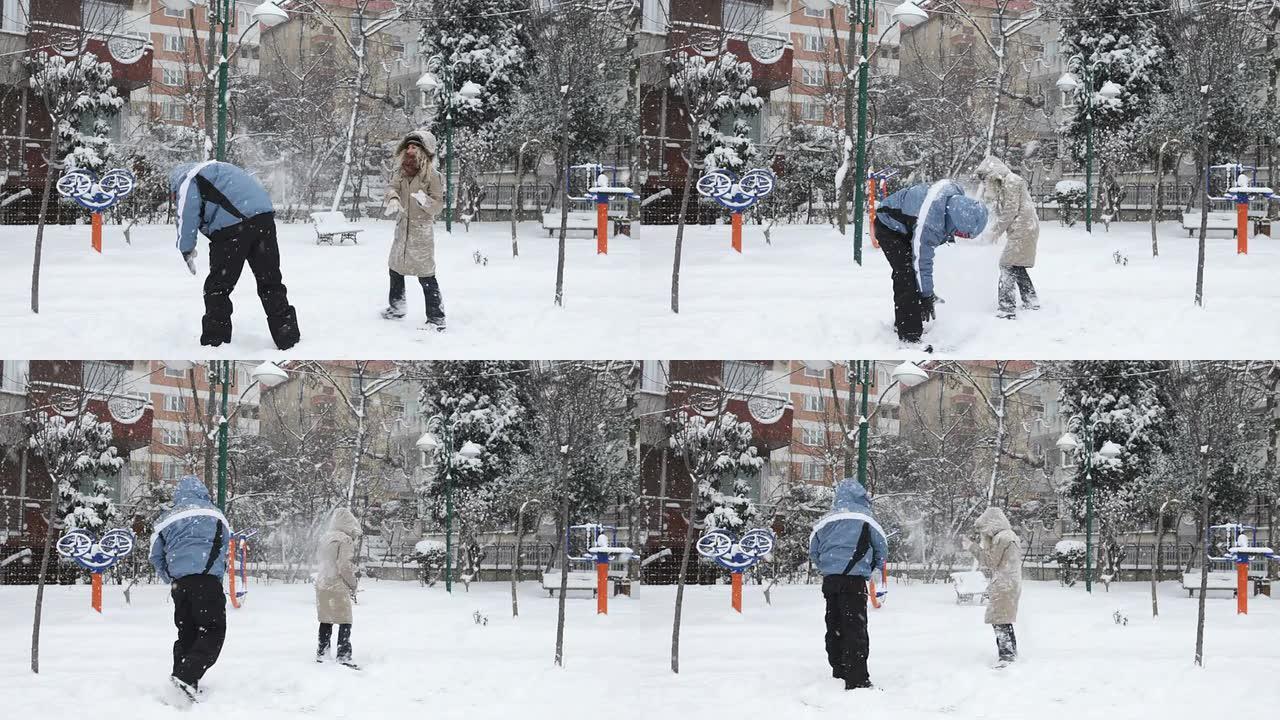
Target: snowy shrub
(1069,555)
(429,556)
(723,460)
(1070,196)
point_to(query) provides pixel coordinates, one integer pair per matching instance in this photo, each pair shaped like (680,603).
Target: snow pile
(1064,187)
(1067,547)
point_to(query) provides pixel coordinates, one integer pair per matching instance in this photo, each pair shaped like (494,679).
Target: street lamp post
(470,91)
(859,13)
(1110,451)
(1109,91)
(430,444)
(267,374)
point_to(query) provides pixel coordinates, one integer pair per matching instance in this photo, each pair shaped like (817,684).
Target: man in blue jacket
(189,550)
(235,212)
(847,546)
(906,241)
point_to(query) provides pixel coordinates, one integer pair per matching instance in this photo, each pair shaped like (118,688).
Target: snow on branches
(721,458)
(80,458)
(75,91)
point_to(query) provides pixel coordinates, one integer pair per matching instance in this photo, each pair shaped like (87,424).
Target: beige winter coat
(414,250)
(1012,211)
(336,576)
(1001,553)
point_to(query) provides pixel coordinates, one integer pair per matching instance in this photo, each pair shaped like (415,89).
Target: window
(742,376)
(13,375)
(813,472)
(814,13)
(1067,459)
(249,412)
(175,403)
(811,373)
(815,403)
(654,378)
(174,111)
(101,15)
(101,376)
(168,12)
(172,76)
(13,16)
(656,15)
(172,373)
(813,77)
(813,436)
(248,52)
(812,112)
(397,48)
(170,471)
(172,437)
(815,43)
(175,43)
(742,15)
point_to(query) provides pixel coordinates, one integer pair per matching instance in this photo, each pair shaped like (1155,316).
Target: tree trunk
(564,217)
(517,204)
(1204,202)
(684,210)
(684,570)
(1156,205)
(50,531)
(564,579)
(515,563)
(353,121)
(1204,564)
(1000,433)
(1001,72)
(1156,565)
(54,141)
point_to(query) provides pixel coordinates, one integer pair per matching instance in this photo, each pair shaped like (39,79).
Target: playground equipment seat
(1217,221)
(970,586)
(331,224)
(1217,581)
(577,581)
(577,221)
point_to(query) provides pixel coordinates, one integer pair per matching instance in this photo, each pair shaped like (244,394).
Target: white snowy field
(802,294)
(424,656)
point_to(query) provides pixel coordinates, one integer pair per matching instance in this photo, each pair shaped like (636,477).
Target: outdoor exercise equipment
(737,194)
(96,194)
(602,547)
(238,549)
(1244,548)
(96,557)
(736,555)
(1240,193)
(876,182)
(603,191)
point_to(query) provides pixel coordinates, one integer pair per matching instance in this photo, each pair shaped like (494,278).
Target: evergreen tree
(80,459)
(1129,43)
(83,102)
(1124,402)
(723,461)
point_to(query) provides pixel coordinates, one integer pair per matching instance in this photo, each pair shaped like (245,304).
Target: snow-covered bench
(577,581)
(1217,581)
(331,224)
(970,586)
(576,221)
(1217,221)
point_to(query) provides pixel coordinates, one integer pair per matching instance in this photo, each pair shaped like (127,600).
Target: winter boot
(1006,643)
(393,312)
(322,647)
(215,332)
(181,693)
(437,324)
(344,646)
(1006,314)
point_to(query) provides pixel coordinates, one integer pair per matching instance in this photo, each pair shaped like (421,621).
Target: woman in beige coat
(336,584)
(1014,215)
(415,195)
(1001,554)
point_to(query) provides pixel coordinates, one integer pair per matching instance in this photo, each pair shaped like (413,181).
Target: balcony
(130,55)
(770,55)
(770,414)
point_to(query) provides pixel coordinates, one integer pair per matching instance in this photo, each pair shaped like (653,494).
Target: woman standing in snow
(1005,192)
(336,584)
(1001,554)
(414,197)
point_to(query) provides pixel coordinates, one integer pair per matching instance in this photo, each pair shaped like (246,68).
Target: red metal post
(602,588)
(1242,588)
(97,232)
(97,591)
(1242,228)
(602,227)
(737,590)
(737,231)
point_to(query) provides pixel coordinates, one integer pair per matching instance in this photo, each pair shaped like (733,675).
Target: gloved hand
(190,258)
(927,312)
(422,199)
(393,208)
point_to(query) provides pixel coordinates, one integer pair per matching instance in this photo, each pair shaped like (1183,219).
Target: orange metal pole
(1242,588)
(231,572)
(737,591)
(737,231)
(1242,228)
(871,211)
(602,228)
(97,591)
(97,232)
(602,588)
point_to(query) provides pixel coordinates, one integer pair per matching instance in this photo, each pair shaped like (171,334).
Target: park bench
(970,586)
(576,221)
(1217,221)
(577,581)
(1217,581)
(333,224)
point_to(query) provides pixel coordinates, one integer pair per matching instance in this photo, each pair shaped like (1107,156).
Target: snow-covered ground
(801,295)
(425,656)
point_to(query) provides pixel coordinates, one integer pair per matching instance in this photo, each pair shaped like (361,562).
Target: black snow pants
(906,286)
(1016,281)
(430,291)
(253,241)
(200,613)
(848,643)
(344,640)
(1006,642)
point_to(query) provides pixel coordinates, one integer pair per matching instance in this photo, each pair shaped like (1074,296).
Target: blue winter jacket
(198,211)
(183,536)
(835,536)
(946,210)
